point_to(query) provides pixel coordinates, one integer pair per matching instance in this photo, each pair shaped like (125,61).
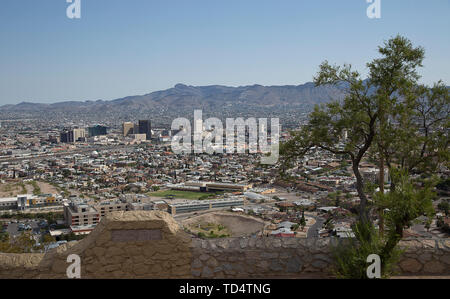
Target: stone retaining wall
(143,244)
(261,258)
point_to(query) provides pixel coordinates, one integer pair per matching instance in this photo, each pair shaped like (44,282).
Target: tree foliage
(351,254)
(388,117)
(389,114)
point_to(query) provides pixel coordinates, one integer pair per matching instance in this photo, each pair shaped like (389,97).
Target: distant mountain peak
(181,86)
(184,98)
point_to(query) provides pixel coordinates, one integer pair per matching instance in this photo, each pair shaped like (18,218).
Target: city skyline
(123,49)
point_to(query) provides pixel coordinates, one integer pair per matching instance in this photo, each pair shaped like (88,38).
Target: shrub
(351,254)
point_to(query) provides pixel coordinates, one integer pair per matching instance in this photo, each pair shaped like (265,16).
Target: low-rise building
(78,213)
(198,205)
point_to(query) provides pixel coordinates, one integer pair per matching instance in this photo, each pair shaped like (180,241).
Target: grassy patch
(36,188)
(209,230)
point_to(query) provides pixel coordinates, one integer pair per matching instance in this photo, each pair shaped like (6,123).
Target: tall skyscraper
(66,136)
(97,130)
(145,127)
(78,134)
(128,128)
(70,136)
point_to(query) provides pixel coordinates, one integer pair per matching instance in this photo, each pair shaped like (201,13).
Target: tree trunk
(363,213)
(393,240)
(381,211)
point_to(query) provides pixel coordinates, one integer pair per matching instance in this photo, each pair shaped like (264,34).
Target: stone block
(410,265)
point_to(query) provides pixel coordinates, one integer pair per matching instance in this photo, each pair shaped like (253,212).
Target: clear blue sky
(128,47)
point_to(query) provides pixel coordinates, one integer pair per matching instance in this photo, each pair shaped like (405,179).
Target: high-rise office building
(145,127)
(66,137)
(79,134)
(128,128)
(97,130)
(70,136)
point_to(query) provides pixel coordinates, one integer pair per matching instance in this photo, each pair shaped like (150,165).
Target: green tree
(351,254)
(360,111)
(24,243)
(303,221)
(47,239)
(404,204)
(389,118)
(444,206)
(4,236)
(5,245)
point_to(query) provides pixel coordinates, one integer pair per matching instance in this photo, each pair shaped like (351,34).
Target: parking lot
(14,228)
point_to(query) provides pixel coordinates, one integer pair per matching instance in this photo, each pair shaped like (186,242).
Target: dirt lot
(14,188)
(11,189)
(47,188)
(238,225)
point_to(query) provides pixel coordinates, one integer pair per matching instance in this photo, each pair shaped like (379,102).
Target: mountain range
(289,103)
(182,97)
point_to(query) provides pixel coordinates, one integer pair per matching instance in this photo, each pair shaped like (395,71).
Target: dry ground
(14,188)
(238,225)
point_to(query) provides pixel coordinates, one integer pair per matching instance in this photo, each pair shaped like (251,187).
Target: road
(65,153)
(313,230)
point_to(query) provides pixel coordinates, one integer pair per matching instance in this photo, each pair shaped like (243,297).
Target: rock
(268,255)
(212,262)
(182,270)
(223,244)
(197,263)
(112,251)
(445,259)
(207,272)
(322,257)
(277,243)
(319,264)
(243,243)
(204,257)
(410,265)
(111,268)
(133,250)
(228,267)
(99,251)
(60,266)
(196,272)
(425,257)
(276,266)
(232,258)
(156,269)
(294,265)
(434,267)
(285,255)
(140,269)
(259,243)
(429,244)
(138,259)
(264,265)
